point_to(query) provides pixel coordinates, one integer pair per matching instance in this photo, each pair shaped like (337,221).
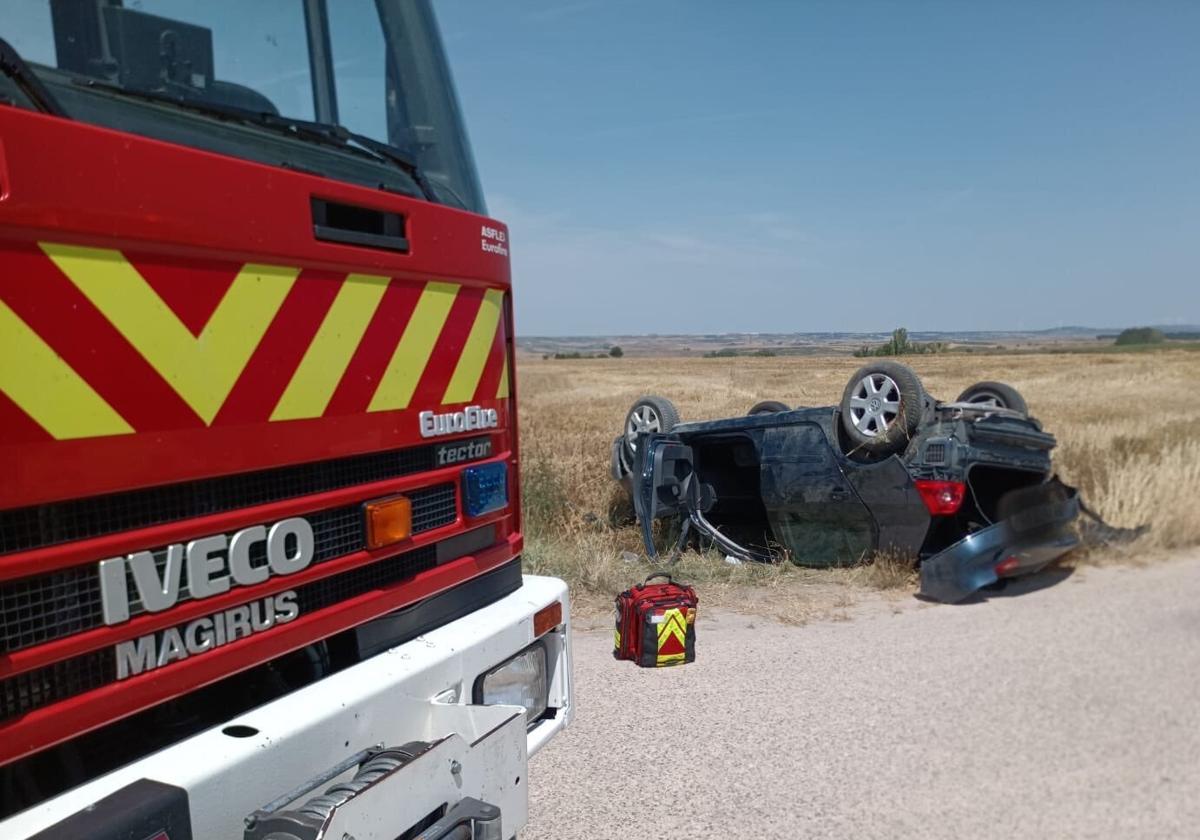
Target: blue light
(485,488)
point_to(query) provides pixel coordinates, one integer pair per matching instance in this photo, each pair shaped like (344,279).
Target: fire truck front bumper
(408,743)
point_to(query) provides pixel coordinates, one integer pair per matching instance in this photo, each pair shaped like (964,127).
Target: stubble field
(1127,425)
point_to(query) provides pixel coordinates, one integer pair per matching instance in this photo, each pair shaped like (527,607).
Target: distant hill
(822,343)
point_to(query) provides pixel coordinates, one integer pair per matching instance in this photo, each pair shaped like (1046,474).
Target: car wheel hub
(643,420)
(875,404)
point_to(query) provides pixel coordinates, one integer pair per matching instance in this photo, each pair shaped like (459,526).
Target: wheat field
(1128,436)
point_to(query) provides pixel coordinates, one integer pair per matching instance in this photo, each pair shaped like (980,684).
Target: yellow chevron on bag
(672,637)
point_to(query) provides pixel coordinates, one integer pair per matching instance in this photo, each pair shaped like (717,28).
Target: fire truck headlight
(519,681)
(485,488)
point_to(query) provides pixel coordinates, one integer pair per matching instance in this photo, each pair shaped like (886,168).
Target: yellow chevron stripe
(201,370)
(672,625)
(469,369)
(313,383)
(412,353)
(502,389)
(47,388)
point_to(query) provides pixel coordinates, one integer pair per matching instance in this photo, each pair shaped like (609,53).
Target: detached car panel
(1022,544)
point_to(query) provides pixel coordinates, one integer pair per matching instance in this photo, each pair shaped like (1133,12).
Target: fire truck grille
(34,689)
(51,606)
(58,522)
(433,508)
(61,680)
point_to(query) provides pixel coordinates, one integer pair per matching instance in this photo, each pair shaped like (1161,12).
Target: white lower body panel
(386,700)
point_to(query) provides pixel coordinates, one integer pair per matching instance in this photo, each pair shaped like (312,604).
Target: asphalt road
(1068,711)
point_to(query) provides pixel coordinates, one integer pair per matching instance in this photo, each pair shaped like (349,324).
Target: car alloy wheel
(642,420)
(875,404)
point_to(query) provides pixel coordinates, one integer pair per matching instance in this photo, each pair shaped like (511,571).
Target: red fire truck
(260,532)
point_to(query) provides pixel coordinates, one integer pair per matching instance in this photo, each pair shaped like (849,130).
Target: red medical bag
(656,623)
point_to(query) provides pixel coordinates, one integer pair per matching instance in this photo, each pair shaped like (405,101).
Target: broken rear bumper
(1022,544)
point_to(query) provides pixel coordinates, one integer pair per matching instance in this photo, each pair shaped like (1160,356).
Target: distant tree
(723,353)
(616,352)
(1140,335)
(899,345)
(764,352)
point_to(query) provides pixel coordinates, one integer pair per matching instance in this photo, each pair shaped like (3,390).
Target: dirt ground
(1068,706)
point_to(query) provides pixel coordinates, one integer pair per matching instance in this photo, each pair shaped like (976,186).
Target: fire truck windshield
(352,89)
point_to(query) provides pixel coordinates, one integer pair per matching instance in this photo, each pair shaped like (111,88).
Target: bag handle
(666,575)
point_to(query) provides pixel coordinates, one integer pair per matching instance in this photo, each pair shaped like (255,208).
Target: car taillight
(941,497)
(1007,565)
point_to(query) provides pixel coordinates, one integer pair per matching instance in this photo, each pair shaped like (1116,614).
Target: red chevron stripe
(192,289)
(18,426)
(66,320)
(442,362)
(278,354)
(490,381)
(379,341)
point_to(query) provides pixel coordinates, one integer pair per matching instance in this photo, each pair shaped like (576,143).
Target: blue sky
(672,166)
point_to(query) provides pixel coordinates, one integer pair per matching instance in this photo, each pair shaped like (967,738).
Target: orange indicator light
(546,619)
(388,521)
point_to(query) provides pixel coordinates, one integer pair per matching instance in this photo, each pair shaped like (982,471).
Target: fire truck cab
(260,526)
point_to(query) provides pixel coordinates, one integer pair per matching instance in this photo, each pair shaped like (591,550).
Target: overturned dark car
(965,488)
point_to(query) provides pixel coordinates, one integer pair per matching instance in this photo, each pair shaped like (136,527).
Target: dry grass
(1129,438)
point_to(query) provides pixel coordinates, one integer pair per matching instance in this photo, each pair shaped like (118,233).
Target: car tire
(649,414)
(619,466)
(882,407)
(767,407)
(995,394)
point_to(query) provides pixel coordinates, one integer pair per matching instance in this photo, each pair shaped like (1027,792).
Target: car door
(887,490)
(814,511)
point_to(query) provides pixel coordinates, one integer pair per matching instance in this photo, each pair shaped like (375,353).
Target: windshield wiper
(361,142)
(13,66)
(376,148)
(336,136)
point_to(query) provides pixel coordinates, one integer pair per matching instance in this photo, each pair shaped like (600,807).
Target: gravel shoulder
(1066,708)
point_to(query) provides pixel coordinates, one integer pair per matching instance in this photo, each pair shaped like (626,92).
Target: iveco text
(213,564)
